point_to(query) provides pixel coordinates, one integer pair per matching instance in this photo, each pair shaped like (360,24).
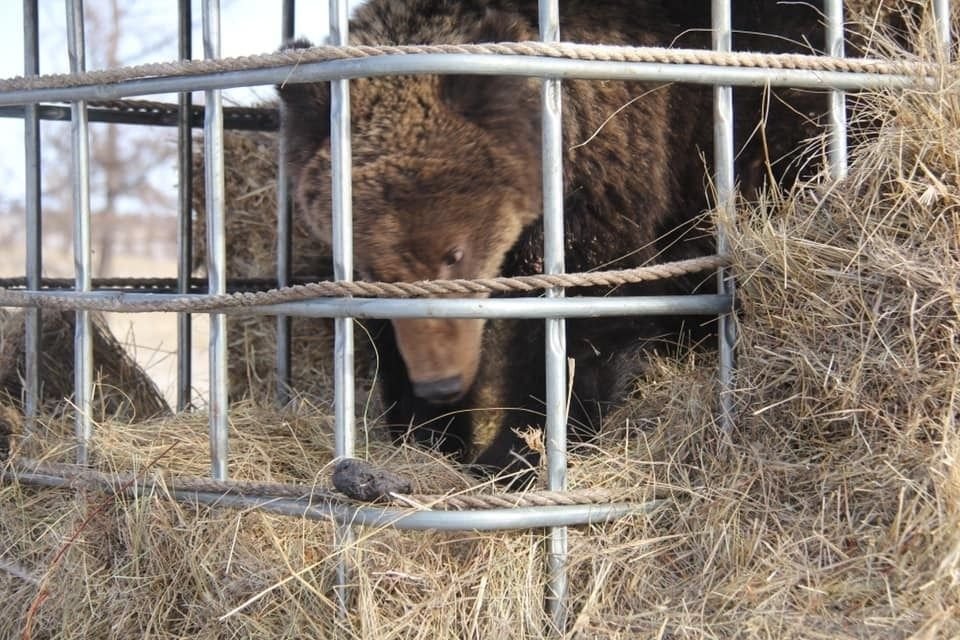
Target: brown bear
(446,184)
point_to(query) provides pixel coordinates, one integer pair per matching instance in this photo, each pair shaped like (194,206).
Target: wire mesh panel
(553,306)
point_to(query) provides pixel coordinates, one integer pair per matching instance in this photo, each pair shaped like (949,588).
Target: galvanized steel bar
(724,180)
(416,520)
(837,149)
(235,118)
(555,330)
(284,234)
(184,211)
(34,255)
(340,152)
(941,11)
(578,307)
(479,64)
(216,247)
(83,335)
(343,366)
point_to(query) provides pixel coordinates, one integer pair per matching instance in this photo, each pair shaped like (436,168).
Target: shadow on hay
(122,390)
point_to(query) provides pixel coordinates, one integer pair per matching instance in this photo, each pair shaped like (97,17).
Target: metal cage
(553,308)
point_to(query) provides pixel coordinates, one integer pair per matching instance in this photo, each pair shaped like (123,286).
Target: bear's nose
(439,391)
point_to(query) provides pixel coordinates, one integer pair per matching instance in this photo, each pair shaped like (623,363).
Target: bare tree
(126,162)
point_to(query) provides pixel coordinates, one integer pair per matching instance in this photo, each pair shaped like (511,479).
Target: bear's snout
(441,355)
(442,391)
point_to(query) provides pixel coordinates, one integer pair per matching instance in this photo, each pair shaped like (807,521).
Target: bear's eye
(453,256)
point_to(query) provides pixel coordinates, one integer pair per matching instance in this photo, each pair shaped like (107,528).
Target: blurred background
(133,180)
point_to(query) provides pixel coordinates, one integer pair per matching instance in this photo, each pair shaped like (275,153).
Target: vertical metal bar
(343,370)
(184,211)
(79,131)
(555,329)
(941,11)
(838,98)
(342,234)
(31,127)
(284,235)
(216,246)
(724,180)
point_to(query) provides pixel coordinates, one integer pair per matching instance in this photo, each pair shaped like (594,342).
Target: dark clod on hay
(361,480)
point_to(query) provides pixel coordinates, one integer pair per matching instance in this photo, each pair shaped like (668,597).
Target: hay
(250,159)
(122,390)
(191,565)
(833,510)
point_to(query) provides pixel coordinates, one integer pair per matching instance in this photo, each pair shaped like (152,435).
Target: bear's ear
(490,100)
(304,114)
(503,26)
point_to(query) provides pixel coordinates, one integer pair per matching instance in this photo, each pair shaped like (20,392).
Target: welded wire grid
(553,308)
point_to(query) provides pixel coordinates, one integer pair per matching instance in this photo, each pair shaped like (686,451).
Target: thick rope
(26,471)
(201,303)
(539,49)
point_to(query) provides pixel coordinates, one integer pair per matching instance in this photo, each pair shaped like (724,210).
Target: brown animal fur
(446,184)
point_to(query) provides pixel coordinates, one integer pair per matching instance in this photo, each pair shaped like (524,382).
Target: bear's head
(446,175)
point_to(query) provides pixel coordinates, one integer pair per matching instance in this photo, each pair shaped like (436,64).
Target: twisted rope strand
(200,303)
(568,50)
(24,470)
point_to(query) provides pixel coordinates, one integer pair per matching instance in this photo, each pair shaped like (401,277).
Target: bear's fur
(446,184)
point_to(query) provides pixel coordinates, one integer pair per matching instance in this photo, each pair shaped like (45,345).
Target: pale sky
(248,26)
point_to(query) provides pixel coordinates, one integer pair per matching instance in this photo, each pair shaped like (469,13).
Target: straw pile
(251,238)
(832,510)
(250,182)
(122,391)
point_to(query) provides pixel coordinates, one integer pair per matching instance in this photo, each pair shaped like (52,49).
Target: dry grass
(832,511)
(251,236)
(122,391)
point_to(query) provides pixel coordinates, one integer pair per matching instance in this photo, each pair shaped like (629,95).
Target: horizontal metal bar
(479,64)
(579,307)
(266,121)
(485,520)
(473,520)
